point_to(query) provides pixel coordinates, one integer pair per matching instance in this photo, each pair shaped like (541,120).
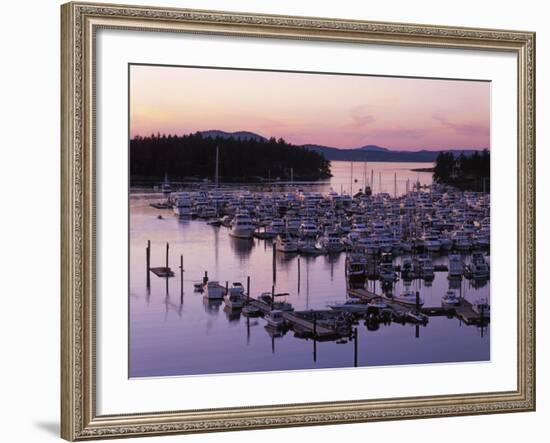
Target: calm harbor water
(175,334)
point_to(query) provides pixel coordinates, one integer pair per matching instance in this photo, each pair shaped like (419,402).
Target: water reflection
(212,307)
(175,331)
(232,315)
(242,247)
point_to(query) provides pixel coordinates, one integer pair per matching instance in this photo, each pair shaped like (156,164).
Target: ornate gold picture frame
(80,21)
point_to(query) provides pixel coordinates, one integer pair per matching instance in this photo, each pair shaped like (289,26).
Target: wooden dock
(464,311)
(162,271)
(363,294)
(305,321)
(310,322)
(263,307)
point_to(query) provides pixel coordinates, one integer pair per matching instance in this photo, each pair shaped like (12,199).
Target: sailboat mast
(365,177)
(217,165)
(351,180)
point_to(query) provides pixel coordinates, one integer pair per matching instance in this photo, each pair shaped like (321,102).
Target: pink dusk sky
(342,111)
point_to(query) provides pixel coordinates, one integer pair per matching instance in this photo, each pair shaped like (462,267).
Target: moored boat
(275,319)
(242,226)
(450,298)
(408,297)
(286,244)
(214,291)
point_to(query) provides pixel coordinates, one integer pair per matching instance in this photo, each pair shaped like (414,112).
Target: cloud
(362,116)
(462,128)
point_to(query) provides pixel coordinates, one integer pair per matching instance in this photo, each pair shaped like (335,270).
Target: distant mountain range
(362,153)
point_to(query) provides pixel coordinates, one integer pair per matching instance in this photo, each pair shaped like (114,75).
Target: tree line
(194,156)
(468,172)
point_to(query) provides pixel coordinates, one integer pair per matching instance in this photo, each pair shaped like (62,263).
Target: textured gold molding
(79,22)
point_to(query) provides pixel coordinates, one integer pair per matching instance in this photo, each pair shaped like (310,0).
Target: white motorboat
(359,228)
(235,300)
(267,298)
(286,244)
(236,289)
(432,242)
(479,268)
(308,229)
(416,317)
(456,265)
(293,225)
(331,241)
(450,298)
(385,243)
(481,306)
(183,206)
(242,226)
(277,226)
(275,319)
(461,241)
(214,291)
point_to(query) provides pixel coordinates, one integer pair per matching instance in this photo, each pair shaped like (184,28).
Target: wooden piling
(314,336)
(205,278)
(181,278)
(315,350)
(355,346)
(274,264)
(417,301)
(299,274)
(314,324)
(167,248)
(248,288)
(226,287)
(148,262)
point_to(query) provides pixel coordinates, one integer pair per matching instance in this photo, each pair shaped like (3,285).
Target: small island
(193,157)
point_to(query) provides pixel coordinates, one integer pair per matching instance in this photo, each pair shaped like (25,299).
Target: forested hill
(194,156)
(471,172)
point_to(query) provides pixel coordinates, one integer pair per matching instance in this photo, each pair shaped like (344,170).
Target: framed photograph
(283,221)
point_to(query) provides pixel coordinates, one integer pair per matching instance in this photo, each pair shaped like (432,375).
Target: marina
(354,261)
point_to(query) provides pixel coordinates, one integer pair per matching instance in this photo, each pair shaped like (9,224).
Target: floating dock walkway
(464,311)
(310,322)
